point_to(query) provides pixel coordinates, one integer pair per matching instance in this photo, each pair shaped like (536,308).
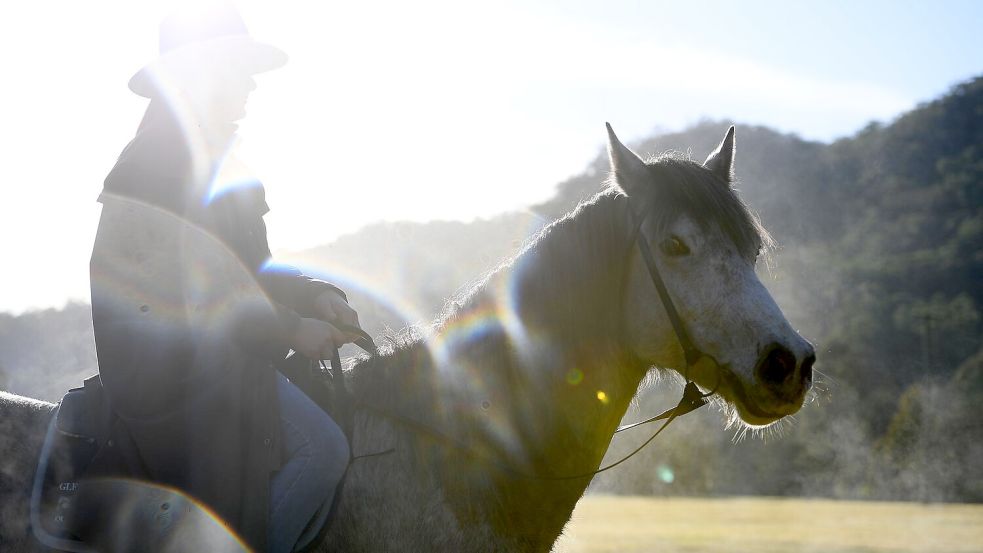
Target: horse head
(705,243)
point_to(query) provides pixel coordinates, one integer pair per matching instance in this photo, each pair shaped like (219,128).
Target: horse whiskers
(823,383)
(821,387)
(777,430)
(774,431)
(743,430)
(731,417)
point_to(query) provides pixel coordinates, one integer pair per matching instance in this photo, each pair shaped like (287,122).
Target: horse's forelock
(685,186)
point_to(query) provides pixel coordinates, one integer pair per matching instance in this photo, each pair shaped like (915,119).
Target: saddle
(84,444)
(324,386)
(90,494)
(90,483)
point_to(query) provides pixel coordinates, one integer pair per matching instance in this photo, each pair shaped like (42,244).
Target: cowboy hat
(212,37)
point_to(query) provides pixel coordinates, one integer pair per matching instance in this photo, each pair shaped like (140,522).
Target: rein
(691,400)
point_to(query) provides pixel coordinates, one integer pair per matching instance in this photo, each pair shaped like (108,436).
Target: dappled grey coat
(189,318)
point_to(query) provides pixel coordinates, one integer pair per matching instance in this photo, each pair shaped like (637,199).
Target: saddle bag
(79,429)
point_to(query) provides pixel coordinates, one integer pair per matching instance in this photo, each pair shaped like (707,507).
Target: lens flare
(166,290)
(575,376)
(229,175)
(361,283)
(149,263)
(492,313)
(136,515)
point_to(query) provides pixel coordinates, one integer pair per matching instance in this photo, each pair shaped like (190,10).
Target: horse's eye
(674,247)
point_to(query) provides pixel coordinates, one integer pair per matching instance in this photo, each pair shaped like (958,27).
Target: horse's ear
(629,170)
(721,160)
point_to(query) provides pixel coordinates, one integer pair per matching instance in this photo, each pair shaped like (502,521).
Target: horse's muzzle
(786,377)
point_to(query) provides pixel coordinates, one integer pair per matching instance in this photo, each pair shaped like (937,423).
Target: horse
(481,432)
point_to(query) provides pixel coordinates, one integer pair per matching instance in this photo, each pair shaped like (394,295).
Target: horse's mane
(596,234)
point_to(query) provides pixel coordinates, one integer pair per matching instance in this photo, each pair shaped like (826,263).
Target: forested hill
(894,212)
(880,264)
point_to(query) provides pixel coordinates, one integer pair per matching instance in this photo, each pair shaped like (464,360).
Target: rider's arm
(239,220)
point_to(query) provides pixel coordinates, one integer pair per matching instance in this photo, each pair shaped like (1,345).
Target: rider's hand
(331,306)
(316,339)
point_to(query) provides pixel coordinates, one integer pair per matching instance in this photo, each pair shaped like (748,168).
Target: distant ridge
(880,263)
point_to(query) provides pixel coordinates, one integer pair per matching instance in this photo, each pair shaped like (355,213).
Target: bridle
(691,400)
(690,351)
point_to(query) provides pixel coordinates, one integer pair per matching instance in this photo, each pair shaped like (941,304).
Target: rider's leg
(317,455)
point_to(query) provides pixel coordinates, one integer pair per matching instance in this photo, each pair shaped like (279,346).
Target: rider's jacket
(190,315)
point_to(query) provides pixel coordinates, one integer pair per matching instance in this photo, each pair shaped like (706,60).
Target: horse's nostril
(807,368)
(777,366)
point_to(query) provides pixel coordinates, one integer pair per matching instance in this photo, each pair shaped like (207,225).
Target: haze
(441,110)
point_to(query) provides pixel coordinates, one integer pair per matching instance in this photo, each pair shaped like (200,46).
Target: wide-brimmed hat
(215,36)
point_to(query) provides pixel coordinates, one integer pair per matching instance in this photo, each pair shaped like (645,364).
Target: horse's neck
(553,372)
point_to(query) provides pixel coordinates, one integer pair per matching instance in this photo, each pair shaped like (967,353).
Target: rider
(190,314)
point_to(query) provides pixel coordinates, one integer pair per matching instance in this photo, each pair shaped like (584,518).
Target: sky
(441,110)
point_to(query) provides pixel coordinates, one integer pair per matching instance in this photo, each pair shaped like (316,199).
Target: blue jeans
(301,492)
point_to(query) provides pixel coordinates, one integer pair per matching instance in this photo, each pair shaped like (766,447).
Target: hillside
(880,264)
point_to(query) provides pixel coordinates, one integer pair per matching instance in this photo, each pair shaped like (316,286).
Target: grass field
(608,524)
